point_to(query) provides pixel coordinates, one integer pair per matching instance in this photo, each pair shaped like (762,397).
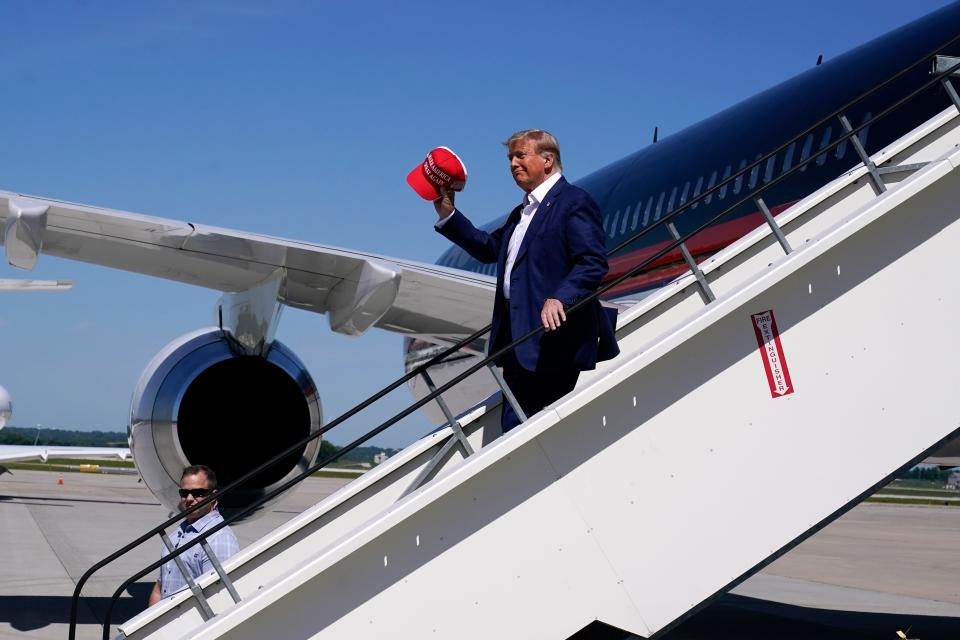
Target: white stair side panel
(429,576)
(872,393)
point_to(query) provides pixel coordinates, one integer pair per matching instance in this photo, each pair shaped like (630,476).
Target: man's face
(196,487)
(528,168)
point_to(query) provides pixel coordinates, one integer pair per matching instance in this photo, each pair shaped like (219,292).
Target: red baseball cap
(441,168)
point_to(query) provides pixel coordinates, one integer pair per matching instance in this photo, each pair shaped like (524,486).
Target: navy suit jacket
(563,256)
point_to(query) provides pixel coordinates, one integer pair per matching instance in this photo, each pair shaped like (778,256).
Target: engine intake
(202,401)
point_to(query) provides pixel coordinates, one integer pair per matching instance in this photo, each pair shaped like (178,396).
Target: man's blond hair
(543,141)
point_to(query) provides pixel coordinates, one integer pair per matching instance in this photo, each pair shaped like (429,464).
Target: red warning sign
(771,351)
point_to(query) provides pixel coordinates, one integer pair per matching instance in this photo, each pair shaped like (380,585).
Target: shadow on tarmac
(45,499)
(744,618)
(28,613)
(732,617)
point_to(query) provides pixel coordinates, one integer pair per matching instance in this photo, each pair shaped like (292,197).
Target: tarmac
(878,569)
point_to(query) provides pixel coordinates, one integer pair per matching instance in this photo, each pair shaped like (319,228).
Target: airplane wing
(356,290)
(35,285)
(16,452)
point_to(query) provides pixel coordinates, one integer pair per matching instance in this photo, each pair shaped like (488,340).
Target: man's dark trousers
(533,389)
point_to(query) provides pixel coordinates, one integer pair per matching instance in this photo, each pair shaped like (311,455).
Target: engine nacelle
(202,401)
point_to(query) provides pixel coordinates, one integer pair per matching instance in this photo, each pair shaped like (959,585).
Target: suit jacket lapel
(540,217)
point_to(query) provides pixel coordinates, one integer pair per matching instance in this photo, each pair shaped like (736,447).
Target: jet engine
(204,400)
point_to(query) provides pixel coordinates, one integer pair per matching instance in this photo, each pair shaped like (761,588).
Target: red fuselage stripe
(671,265)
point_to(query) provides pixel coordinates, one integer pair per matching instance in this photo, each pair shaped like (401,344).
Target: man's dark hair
(194,469)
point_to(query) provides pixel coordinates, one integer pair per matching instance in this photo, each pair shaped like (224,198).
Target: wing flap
(357,289)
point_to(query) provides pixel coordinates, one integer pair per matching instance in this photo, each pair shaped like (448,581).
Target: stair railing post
(878,184)
(205,609)
(453,422)
(777,231)
(507,393)
(705,291)
(215,561)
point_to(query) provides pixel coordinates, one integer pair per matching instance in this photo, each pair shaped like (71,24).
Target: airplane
(188,394)
(19,453)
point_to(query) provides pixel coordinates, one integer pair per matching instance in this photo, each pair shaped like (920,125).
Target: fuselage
(638,190)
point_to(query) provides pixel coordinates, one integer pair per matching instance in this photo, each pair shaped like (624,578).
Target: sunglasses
(197,493)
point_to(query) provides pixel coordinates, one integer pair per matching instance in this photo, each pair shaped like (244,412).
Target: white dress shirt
(531,202)
(223,543)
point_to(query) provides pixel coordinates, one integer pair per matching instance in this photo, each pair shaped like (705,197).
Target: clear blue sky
(301,119)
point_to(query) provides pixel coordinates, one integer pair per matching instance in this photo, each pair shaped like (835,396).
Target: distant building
(380,457)
(953,480)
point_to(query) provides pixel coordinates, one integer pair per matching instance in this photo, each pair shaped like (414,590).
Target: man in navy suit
(550,254)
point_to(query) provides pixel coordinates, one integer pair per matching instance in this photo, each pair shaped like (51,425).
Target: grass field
(63,465)
(879,498)
(916,484)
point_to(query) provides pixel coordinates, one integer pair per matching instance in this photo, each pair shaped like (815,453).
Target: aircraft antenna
(819,59)
(656,130)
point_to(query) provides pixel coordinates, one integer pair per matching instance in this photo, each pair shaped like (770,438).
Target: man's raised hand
(445,203)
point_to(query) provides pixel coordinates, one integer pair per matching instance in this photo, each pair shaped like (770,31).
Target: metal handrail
(490,358)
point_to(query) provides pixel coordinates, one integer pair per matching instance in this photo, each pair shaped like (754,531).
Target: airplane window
(683,195)
(656,215)
(768,172)
(754,173)
(711,185)
(823,143)
(788,157)
(462,260)
(863,132)
(723,189)
(613,225)
(738,182)
(606,219)
(841,149)
(673,197)
(636,215)
(696,192)
(646,212)
(807,146)
(626,216)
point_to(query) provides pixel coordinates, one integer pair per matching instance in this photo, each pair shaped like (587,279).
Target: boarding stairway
(814,353)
